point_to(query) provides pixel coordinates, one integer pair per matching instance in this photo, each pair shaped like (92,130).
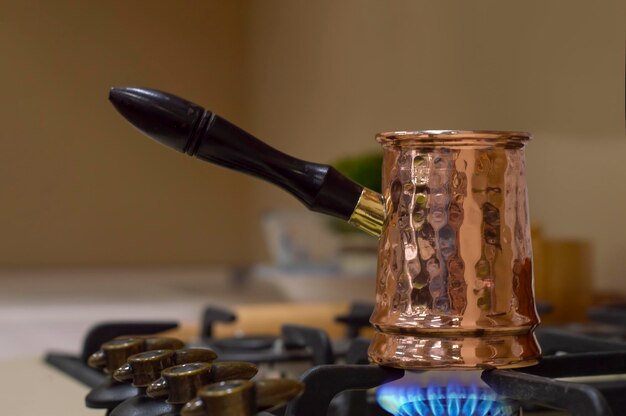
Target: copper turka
(454,285)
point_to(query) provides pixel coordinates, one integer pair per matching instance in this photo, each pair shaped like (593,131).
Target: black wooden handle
(188,128)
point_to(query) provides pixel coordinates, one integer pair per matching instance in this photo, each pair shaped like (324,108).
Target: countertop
(30,387)
(43,309)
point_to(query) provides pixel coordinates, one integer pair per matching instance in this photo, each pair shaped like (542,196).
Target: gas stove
(583,372)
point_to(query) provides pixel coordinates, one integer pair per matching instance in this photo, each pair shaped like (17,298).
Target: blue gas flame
(437,400)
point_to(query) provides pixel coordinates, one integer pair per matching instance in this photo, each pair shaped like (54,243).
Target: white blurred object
(358,254)
(302,242)
(316,285)
(311,261)
(300,239)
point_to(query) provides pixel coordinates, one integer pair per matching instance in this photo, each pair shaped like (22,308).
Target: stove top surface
(581,371)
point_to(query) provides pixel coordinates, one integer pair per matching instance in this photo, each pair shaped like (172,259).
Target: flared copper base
(432,351)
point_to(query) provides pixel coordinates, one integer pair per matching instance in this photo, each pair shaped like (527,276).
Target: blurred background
(99,222)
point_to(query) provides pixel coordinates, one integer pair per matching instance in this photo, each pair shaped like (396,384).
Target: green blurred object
(365,169)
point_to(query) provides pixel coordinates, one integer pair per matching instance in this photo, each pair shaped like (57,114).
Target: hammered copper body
(455,283)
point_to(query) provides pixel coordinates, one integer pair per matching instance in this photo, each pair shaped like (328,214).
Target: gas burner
(297,343)
(587,364)
(452,394)
(241,344)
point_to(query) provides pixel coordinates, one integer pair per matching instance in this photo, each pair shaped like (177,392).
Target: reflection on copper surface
(454,285)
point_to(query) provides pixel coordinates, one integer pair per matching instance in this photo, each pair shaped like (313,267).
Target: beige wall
(316,79)
(77,183)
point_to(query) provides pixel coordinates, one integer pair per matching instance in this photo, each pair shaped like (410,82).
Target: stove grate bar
(315,340)
(324,382)
(75,368)
(553,340)
(608,315)
(581,364)
(578,399)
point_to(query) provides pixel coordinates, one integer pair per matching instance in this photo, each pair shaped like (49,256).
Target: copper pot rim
(456,138)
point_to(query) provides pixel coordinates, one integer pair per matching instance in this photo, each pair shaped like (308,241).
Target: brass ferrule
(369,213)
